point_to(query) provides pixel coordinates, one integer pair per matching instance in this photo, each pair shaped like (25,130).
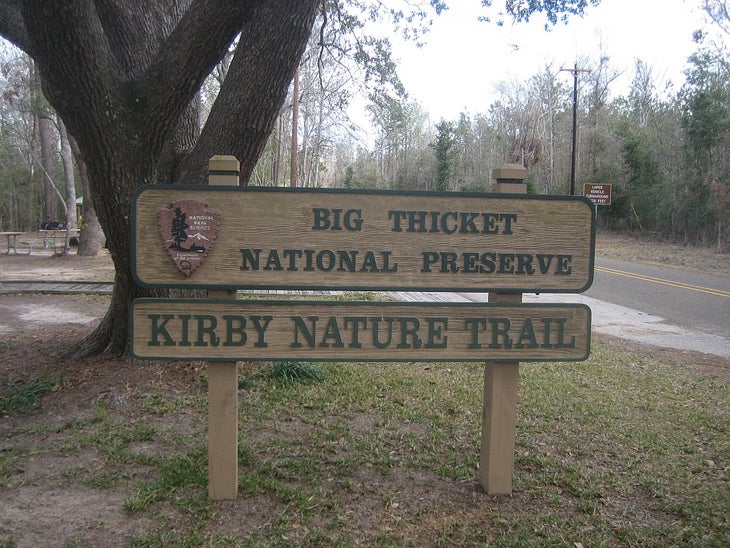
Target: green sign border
(325,191)
(354,305)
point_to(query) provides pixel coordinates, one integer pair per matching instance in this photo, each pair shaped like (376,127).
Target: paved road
(652,305)
(694,301)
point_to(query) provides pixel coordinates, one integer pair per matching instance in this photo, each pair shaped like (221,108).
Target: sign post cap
(510,173)
(223,163)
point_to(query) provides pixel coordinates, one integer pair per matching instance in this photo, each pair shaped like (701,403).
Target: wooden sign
(364,240)
(352,331)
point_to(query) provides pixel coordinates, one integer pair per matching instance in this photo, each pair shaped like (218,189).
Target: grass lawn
(624,449)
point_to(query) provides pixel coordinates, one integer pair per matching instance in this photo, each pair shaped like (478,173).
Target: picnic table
(57,236)
(11,238)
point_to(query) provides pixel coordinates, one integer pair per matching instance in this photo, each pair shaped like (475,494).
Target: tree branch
(74,59)
(271,45)
(124,21)
(192,50)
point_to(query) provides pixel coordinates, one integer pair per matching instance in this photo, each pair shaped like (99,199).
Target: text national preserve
(314,239)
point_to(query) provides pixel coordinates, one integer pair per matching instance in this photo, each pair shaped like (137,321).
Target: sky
(463,59)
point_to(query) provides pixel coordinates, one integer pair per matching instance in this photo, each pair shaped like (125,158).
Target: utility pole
(575,70)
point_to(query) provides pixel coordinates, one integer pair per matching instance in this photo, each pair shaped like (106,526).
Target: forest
(665,150)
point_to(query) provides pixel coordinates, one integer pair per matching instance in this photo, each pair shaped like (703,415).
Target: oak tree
(123,75)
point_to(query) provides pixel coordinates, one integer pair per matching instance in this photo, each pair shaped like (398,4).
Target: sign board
(229,330)
(250,238)
(599,194)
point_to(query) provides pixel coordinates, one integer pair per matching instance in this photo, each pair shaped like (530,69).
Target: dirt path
(42,265)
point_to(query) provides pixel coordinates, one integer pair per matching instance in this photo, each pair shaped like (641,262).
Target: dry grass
(626,449)
(645,250)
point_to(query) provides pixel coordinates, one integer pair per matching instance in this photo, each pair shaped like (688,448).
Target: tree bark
(45,133)
(69,181)
(294,160)
(272,42)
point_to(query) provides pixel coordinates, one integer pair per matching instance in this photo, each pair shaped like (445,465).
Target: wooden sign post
(222,381)
(223,238)
(501,379)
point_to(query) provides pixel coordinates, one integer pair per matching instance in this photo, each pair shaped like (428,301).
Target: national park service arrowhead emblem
(188,229)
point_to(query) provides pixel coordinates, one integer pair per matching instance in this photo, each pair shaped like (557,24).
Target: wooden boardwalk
(65,287)
(105,288)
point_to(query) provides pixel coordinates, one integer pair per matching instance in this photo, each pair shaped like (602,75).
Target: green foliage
(706,118)
(23,396)
(676,175)
(666,155)
(21,179)
(444,150)
(554,10)
(475,187)
(182,481)
(706,122)
(296,371)
(349,181)
(643,181)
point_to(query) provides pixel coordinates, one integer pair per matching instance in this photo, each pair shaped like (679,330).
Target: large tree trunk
(123,75)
